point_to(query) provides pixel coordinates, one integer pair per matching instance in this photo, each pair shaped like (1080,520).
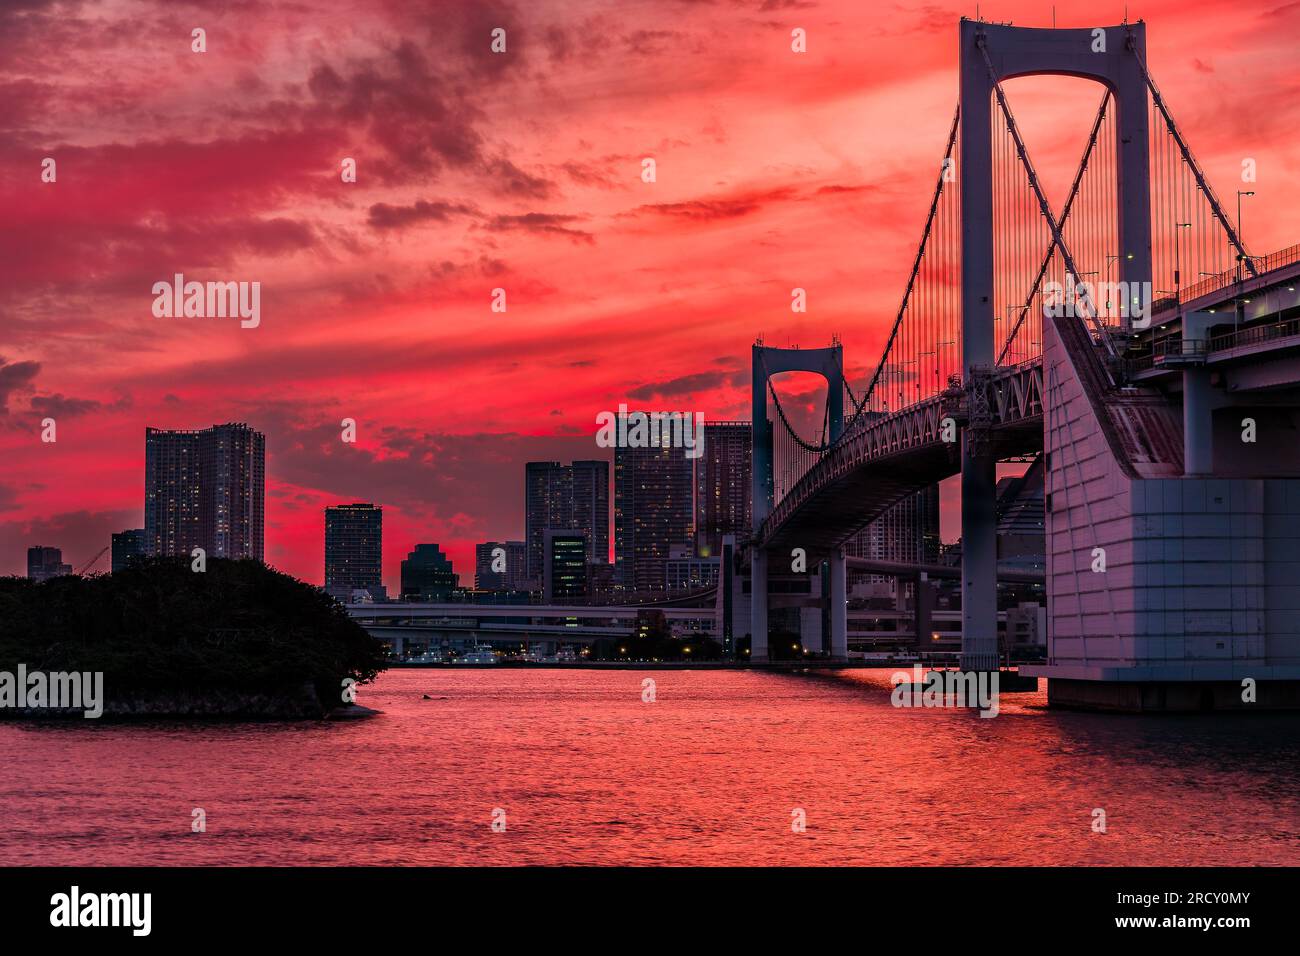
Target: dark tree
(158,626)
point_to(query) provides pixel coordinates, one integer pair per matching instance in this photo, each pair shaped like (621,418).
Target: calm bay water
(707,774)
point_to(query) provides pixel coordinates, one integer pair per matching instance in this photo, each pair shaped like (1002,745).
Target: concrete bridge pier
(1198,401)
(839,616)
(758,604)
(979,559)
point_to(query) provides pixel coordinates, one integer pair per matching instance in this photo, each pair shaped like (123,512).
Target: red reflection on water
(709,773)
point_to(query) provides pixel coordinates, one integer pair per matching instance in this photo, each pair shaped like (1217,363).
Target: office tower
(907,533)
(354,537)
(601,583)
(1022,544)
(722,479)
(45,563)
(565,574)
(566,497)
(653,512)
(591,507)
(427,575)
(128,546)
(512,554)
(686,571)
(205,489)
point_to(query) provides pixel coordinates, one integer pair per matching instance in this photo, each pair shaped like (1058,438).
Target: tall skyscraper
(653,512)
(354,539)
(722,492)
(1022,543)
(565,575)
(512,577)
(427,575)
(127,547)
(44,563)
(205,489)
(566,497)
(908,533)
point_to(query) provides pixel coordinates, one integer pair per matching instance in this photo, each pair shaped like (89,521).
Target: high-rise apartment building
(44,563)
(128,546)
(653,512)
(354,543)
(205,489)
(427,575)
(907,533)
(565,497)
(722,485)
(501,566)
(565,574)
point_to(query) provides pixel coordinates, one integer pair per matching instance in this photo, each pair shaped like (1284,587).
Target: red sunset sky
(478,170)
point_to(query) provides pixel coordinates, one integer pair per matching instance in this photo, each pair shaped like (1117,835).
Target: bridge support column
(922,610)
(398,647)
(1198,424)
(979,558)
(839,636)
(758,605)
(1198,402)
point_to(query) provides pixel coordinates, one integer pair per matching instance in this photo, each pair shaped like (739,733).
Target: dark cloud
(58,406)
(683,385)
(417,115)
(729,207)
(835,189)
(15,377)
(542,223)
(384,216)
(507,179)
(600,174)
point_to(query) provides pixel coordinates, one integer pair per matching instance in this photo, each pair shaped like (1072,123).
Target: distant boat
(479,655)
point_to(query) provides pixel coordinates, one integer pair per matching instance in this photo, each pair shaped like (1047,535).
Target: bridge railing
(1170,348)
(1255,335)
(1227,278)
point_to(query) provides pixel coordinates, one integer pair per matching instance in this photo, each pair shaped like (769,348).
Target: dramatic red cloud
(476,171)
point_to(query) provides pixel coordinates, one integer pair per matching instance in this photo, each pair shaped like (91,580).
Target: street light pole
(1178,299)
(1240,238)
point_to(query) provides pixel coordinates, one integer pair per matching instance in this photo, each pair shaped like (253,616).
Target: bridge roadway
(477,612)
(881,462)
(423,631)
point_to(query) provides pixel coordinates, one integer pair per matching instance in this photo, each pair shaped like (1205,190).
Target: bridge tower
(766,362)
(989,54)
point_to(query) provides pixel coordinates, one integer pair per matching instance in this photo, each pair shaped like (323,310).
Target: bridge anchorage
(1164,415)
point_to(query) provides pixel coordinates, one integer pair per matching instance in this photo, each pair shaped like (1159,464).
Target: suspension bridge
(1173,536)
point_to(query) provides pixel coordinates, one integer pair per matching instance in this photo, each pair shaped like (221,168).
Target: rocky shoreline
(214,704)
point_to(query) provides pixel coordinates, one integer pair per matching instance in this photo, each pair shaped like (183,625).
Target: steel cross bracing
(1057,239)
(1065,215)
(1014,396)
(917,423)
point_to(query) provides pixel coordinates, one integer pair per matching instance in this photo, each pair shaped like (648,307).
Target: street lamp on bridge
(1240,238)
(1178,299)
